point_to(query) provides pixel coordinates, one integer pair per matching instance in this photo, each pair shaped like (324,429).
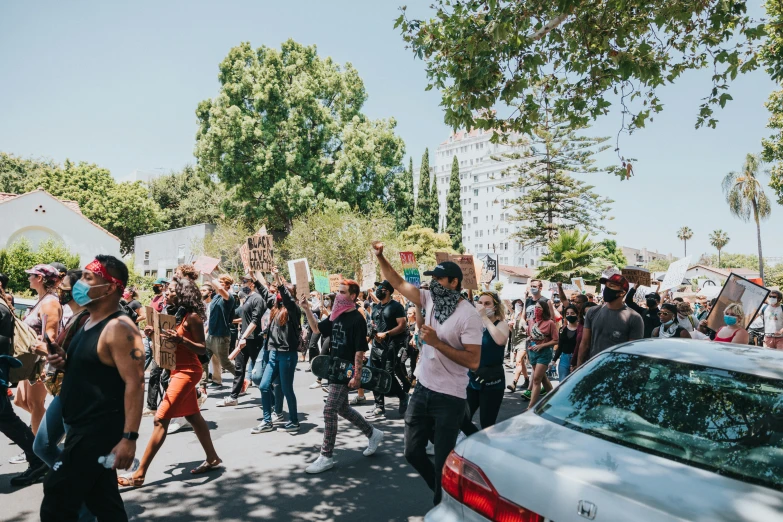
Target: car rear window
(727,422)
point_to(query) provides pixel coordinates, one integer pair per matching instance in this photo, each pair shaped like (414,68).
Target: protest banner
(321,278)
(292,272)
(301,279)
(368,275)
(468,266)
(244,255)
(260,253)
(579,283)
(335,280)
(490,271)
(164,352)
(205,264)
(637,276)
(410,269)
(737,290)
(675,274)
(441,257)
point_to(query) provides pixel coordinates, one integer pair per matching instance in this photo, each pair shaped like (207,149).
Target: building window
(181,254)
(475,192)
(475,220)
(169,272)
(475,179)
(475,206)
(146,257)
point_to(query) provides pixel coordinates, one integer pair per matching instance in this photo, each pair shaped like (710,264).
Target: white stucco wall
(39,216)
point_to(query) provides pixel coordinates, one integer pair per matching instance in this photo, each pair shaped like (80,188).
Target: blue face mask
(81,293)
(730,320)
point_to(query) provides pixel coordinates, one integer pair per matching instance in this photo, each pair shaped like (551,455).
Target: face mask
(610,295)
(571,318)
(235,288)
(773,301)
(81,293)
(539,313)
(246,289)
(652,303)
(327,302)
(65,297)
(518,308)
(730,320)
(279,299)
(668,323)
(156,290)
(534,290)
(380,293)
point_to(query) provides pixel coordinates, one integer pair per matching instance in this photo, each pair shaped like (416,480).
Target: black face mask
(380,293)
(156,290)
(610,295)
(652,303)
(571,318)
(65,297)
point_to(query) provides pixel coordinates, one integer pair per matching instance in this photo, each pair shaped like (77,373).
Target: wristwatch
(130,435)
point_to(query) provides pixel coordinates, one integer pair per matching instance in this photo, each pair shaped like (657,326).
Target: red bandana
(97,268)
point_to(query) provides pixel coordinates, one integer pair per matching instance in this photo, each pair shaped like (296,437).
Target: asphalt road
(263,477)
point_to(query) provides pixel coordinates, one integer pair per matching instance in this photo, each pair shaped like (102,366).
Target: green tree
(424,242)
(434,219)
(552,199)
(286,131)
(572,254)
(454,208)
(719,239)
(775,275)
(21,256)
(421,215)
(746,198)
(614,254)
(481,54)
(224,244)
(729,260)
(658,265)
(403,198)
(772,54)
(684,234)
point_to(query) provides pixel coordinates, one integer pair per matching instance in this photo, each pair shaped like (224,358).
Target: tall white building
(485,190)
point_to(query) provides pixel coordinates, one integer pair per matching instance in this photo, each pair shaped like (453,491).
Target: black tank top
(93,394)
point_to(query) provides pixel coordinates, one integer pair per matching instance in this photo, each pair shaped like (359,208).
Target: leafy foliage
(613,254)
(658,265)
(20,256)
(422,215)
(403,202)
(483,53)
(424,242)
(772,55)
(454,208)
(719,239)
(684,234)
(572,254)
(286,132)
(224,244)
(434,219)
(729,260)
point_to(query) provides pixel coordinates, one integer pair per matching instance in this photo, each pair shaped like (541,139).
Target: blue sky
(117,84)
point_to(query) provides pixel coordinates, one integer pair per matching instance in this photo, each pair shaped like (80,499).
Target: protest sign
(164,352)
(579,283)
(260,253)
(675,274)
(368,275)
(737,290)
(490,271)
(292,272)
(637,276)
(301,279)
(468,266)
(441,257)
(244,255)
(410,269)
(321,278)
(335,280)
(206,264)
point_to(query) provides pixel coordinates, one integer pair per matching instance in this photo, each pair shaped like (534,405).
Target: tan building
(640,257)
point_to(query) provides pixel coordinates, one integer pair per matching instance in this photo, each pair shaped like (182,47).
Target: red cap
(616,279)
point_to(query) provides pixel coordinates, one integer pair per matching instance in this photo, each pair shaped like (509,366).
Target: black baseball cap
(448,269)
(653,295)
(59,267)
(385,284)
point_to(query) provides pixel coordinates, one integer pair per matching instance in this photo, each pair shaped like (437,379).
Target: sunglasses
(662,313)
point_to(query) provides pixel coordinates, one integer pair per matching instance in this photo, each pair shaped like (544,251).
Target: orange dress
(180,399)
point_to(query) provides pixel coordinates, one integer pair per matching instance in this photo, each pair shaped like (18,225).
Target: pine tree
(434,204)
(454,209)
(403,199)
(421,216)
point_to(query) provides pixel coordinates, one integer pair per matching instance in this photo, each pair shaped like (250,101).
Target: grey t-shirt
(610,327)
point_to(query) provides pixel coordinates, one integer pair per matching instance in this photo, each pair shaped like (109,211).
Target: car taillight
(465,481)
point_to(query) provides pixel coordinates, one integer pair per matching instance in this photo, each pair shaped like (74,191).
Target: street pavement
(264,477)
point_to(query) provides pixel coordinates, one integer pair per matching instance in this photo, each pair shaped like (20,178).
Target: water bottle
(108,462)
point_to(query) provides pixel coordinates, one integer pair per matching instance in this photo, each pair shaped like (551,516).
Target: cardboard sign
(637,276)
(206,264)
(260,253)
(164,352)
(301,280)
(244,255)
(321,278)
(468,266)
(675,274)
(441,257)
(368,275)
(410,269)
(491,267)
(737,290)
(292,271)
(335,280)
(579,283)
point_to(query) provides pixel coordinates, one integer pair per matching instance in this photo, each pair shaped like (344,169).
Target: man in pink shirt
(451,334)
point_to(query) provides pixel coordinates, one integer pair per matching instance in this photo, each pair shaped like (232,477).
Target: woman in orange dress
(183,300)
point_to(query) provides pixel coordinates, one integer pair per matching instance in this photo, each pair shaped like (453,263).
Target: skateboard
(340,371)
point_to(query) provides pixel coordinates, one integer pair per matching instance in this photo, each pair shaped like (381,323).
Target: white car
(652,430)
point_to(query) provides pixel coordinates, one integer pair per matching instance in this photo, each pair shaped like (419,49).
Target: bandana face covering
(444,300)
(342,303)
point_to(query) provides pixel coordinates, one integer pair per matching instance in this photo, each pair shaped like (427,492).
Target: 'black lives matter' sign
(259,248)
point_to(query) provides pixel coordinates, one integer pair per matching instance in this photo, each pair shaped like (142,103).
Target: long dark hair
(544,303)
(189,297)
(567,308)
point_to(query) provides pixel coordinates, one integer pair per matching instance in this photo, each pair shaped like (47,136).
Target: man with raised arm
(451,336)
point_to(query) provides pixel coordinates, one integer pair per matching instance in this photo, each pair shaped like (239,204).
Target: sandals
(206,467)
(130,481)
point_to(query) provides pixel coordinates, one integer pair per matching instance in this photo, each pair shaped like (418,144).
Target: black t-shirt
(385,316)
(134,305)
(348,334)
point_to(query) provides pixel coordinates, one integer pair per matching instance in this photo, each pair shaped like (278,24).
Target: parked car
(22,304)
(652,430)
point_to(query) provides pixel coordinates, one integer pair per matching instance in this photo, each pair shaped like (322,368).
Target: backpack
(23,341)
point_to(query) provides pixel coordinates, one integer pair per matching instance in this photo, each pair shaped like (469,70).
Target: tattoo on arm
(129,338)
(136,354)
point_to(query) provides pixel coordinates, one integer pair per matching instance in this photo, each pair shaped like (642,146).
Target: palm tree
(572,254)
(684,234)
(746,198)
(719,239)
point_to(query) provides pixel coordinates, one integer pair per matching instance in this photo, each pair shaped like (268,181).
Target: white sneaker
(430,448)
(18,459)
(316,384)
(277,417)
(148,412)
(228,401)
(178,425)
(373,443)
(320,465)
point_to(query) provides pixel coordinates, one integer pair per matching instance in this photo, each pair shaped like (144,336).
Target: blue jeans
(563,366)
(281,365)
(258,372)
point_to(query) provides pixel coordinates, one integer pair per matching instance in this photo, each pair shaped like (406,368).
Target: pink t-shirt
(436,371)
